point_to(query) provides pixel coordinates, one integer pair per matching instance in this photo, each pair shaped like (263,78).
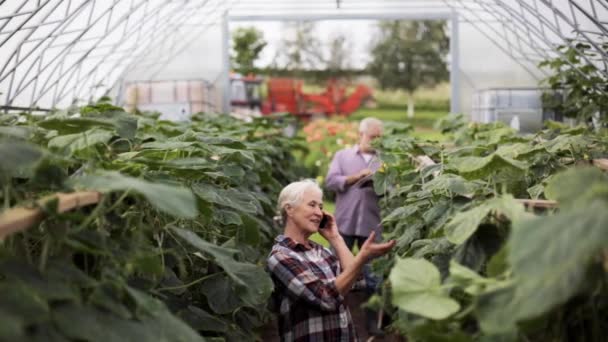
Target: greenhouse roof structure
(54,53)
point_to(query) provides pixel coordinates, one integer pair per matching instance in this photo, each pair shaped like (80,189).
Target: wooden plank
(20,218)
(547,204)
(601,163)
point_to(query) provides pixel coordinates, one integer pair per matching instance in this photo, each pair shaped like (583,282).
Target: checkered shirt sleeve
(301,282)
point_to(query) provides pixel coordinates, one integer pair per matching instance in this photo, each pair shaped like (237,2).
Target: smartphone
(324,221)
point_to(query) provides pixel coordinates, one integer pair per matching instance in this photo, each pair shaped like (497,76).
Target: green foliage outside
(391,105)
(247,44)
(408,55)
(579,88)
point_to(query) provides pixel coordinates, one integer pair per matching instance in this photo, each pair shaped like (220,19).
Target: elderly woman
(311,281)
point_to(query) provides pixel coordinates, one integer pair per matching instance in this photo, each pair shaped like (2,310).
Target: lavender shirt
(357,210)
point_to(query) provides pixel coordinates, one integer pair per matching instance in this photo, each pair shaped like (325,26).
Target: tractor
(285,95)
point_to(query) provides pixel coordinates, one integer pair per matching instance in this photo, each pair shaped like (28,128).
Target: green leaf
(481,167)
(400,213)
(75,125)
(124,125)
(494,310)
(201,320)
(254,284)
(553,254)
(239,155)
(471,282)
(16,132)
(577,186)
(417,288)
(451,182)
(465,223)
(167,145)
(80,141)
(425,247)
(145,303)
(566,143)
(249,231)
(227,217)
(517,150)
(411,233)
(217,252)
(104,297)
(232,197)
(46,288)
(536,191)
(12,327)
(220,294)
(18,300)
(173,200)
(19,158)
(88,324)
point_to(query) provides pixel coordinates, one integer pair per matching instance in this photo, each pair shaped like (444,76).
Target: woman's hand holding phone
(330,232)
(324,221)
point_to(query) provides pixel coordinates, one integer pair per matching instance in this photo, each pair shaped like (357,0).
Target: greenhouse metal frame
(55,53)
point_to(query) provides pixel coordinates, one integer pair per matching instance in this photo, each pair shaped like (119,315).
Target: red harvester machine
(286,95)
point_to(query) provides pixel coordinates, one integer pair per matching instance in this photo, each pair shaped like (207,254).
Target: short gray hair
(366,123)
(292,195)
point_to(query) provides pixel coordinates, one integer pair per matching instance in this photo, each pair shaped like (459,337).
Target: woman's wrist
(337,239)
(361,258)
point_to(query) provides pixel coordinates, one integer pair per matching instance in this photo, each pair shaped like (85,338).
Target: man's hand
(352,179)
(370,249)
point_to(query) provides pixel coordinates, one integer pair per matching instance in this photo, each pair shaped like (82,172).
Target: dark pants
(372,281)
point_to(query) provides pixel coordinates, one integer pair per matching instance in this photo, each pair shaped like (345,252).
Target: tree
(247,44)
(410,54)
(339,58)
(303,50)
(300,47)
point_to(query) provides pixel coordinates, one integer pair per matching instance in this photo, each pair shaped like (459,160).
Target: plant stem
(44,254)
(92,216)
(26,248)
(169,288)
(119,201)
(7,192)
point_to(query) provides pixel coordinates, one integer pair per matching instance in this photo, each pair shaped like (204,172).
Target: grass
(422,121)
(430,104)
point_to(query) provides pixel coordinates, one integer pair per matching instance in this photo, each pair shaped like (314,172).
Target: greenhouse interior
(321,170)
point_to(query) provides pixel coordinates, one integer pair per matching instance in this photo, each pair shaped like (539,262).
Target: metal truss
(59,52)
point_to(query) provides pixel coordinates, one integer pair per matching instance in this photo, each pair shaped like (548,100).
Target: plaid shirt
(309,306)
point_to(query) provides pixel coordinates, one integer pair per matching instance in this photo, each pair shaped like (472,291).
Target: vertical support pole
(226,64)
(454,65)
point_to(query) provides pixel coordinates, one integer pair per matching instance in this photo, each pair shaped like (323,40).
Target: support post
(454,65)
(226,64)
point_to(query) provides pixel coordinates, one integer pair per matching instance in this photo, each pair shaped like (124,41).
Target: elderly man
(357,211)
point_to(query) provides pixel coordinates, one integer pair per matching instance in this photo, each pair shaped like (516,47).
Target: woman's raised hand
(371,249)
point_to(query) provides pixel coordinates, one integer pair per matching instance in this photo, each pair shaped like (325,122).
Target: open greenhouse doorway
(233,92)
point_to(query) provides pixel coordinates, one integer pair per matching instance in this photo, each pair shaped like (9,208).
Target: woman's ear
(288,210)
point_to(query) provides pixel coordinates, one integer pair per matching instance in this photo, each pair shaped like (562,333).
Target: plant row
(471,261)
(174,250)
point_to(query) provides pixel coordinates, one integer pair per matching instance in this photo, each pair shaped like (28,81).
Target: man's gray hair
(292,195)
(367,123)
